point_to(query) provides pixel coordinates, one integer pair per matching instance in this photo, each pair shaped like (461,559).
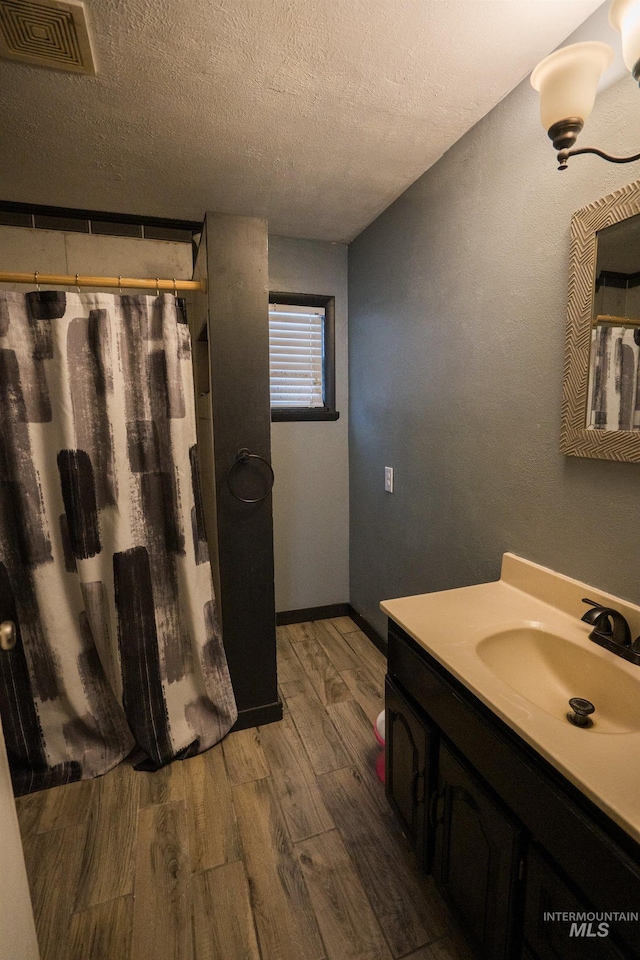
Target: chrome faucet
(611,631)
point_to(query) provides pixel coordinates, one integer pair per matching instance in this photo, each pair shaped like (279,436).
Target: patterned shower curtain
(104,565)
(614,389)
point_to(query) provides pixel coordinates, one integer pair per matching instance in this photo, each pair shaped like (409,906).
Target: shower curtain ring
(175,288)
(157,286)
(35,280)
(120,284)
(77,285)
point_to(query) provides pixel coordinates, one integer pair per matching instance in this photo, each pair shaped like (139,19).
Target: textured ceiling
(313,113)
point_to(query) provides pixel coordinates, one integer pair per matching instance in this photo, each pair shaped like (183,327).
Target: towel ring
(243,457)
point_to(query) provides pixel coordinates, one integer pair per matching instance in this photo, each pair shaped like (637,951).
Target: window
(301,357)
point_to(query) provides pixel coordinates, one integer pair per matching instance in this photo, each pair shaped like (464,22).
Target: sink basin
(517,644)
(549,669)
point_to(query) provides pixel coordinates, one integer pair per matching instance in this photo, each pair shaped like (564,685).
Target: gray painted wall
(457,298)
(310,460)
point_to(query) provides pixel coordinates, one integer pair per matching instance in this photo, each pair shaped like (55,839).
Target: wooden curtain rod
(608,320)
(74,280)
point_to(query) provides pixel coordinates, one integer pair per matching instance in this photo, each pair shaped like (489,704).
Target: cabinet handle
(434,819)
(459,793)
(522,869)
(417,777)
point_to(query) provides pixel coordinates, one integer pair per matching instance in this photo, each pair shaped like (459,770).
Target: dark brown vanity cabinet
(457,829)
(506,837)
(547,934)
(477,856)
(408,743)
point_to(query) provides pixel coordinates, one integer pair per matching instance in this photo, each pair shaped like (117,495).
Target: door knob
(8,635)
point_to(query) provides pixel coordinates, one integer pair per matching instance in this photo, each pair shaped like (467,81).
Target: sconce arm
(564,155)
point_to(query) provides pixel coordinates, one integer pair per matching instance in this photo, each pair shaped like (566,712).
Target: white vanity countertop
(450,624)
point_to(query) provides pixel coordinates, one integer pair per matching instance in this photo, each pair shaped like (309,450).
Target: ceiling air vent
(48,33)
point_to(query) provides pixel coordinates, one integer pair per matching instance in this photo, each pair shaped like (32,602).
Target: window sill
(294,414)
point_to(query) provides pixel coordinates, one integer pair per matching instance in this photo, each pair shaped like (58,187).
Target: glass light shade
(624,16)
(567,81)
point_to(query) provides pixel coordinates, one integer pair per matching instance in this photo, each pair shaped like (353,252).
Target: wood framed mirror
(601,388)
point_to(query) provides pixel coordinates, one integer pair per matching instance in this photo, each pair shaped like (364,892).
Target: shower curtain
(104,565)
(614,394)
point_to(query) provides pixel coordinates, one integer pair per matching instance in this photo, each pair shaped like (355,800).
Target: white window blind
(296,355)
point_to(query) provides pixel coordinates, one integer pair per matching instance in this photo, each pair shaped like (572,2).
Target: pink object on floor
(378,729)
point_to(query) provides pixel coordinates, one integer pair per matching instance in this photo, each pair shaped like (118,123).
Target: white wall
(310,459)
(17,930)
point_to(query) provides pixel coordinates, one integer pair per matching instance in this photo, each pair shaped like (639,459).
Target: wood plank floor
(277,844)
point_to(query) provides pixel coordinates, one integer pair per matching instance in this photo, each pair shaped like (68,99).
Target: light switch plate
(388,479)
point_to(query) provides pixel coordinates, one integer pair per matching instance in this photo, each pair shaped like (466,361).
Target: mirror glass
(613,395)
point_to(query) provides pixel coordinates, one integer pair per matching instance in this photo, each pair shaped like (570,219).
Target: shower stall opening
(104,568)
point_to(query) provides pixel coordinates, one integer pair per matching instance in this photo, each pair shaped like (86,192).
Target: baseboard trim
(329,611)
(312,613)
(258,716)
(369,631)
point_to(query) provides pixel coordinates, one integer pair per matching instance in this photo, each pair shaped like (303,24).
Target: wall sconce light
(567,81)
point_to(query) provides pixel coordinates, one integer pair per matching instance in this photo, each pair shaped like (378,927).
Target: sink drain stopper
(580,712)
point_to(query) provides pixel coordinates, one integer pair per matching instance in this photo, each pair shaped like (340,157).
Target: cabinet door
(558,939)
(477,857)
(407,747)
